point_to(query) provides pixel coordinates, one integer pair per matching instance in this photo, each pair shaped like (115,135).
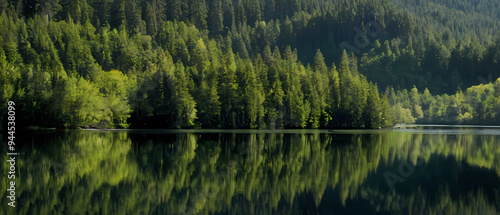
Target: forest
(249,63)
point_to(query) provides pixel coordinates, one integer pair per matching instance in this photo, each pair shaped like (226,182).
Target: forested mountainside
(249,63)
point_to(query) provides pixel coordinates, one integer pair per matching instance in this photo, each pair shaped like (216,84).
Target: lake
(422,170)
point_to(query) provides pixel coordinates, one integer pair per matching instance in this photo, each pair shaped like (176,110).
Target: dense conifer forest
(249,63)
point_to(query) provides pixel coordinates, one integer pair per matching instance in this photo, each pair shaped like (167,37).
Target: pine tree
(227,92)
(135,24)
(208,102)
(274,99)
(185,106)
(253,10)
(198,13)
(335,88)
(49,8)
(118,15)
(155,15)
(215,18)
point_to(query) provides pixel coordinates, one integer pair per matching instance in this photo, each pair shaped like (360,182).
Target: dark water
(409,171)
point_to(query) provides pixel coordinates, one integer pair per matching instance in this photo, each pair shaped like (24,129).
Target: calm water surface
(435,170)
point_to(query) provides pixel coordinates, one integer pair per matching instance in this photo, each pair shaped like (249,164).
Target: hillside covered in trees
(249,63)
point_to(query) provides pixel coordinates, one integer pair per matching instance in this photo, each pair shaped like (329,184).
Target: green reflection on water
(165,172)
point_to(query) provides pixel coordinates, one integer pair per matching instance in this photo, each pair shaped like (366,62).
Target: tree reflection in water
(119,172)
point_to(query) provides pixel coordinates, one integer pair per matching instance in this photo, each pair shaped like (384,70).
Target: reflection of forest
(83,172)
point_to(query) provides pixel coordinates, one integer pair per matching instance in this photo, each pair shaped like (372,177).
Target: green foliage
(207,63)
(82,105)
(113,87)
(477,105)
